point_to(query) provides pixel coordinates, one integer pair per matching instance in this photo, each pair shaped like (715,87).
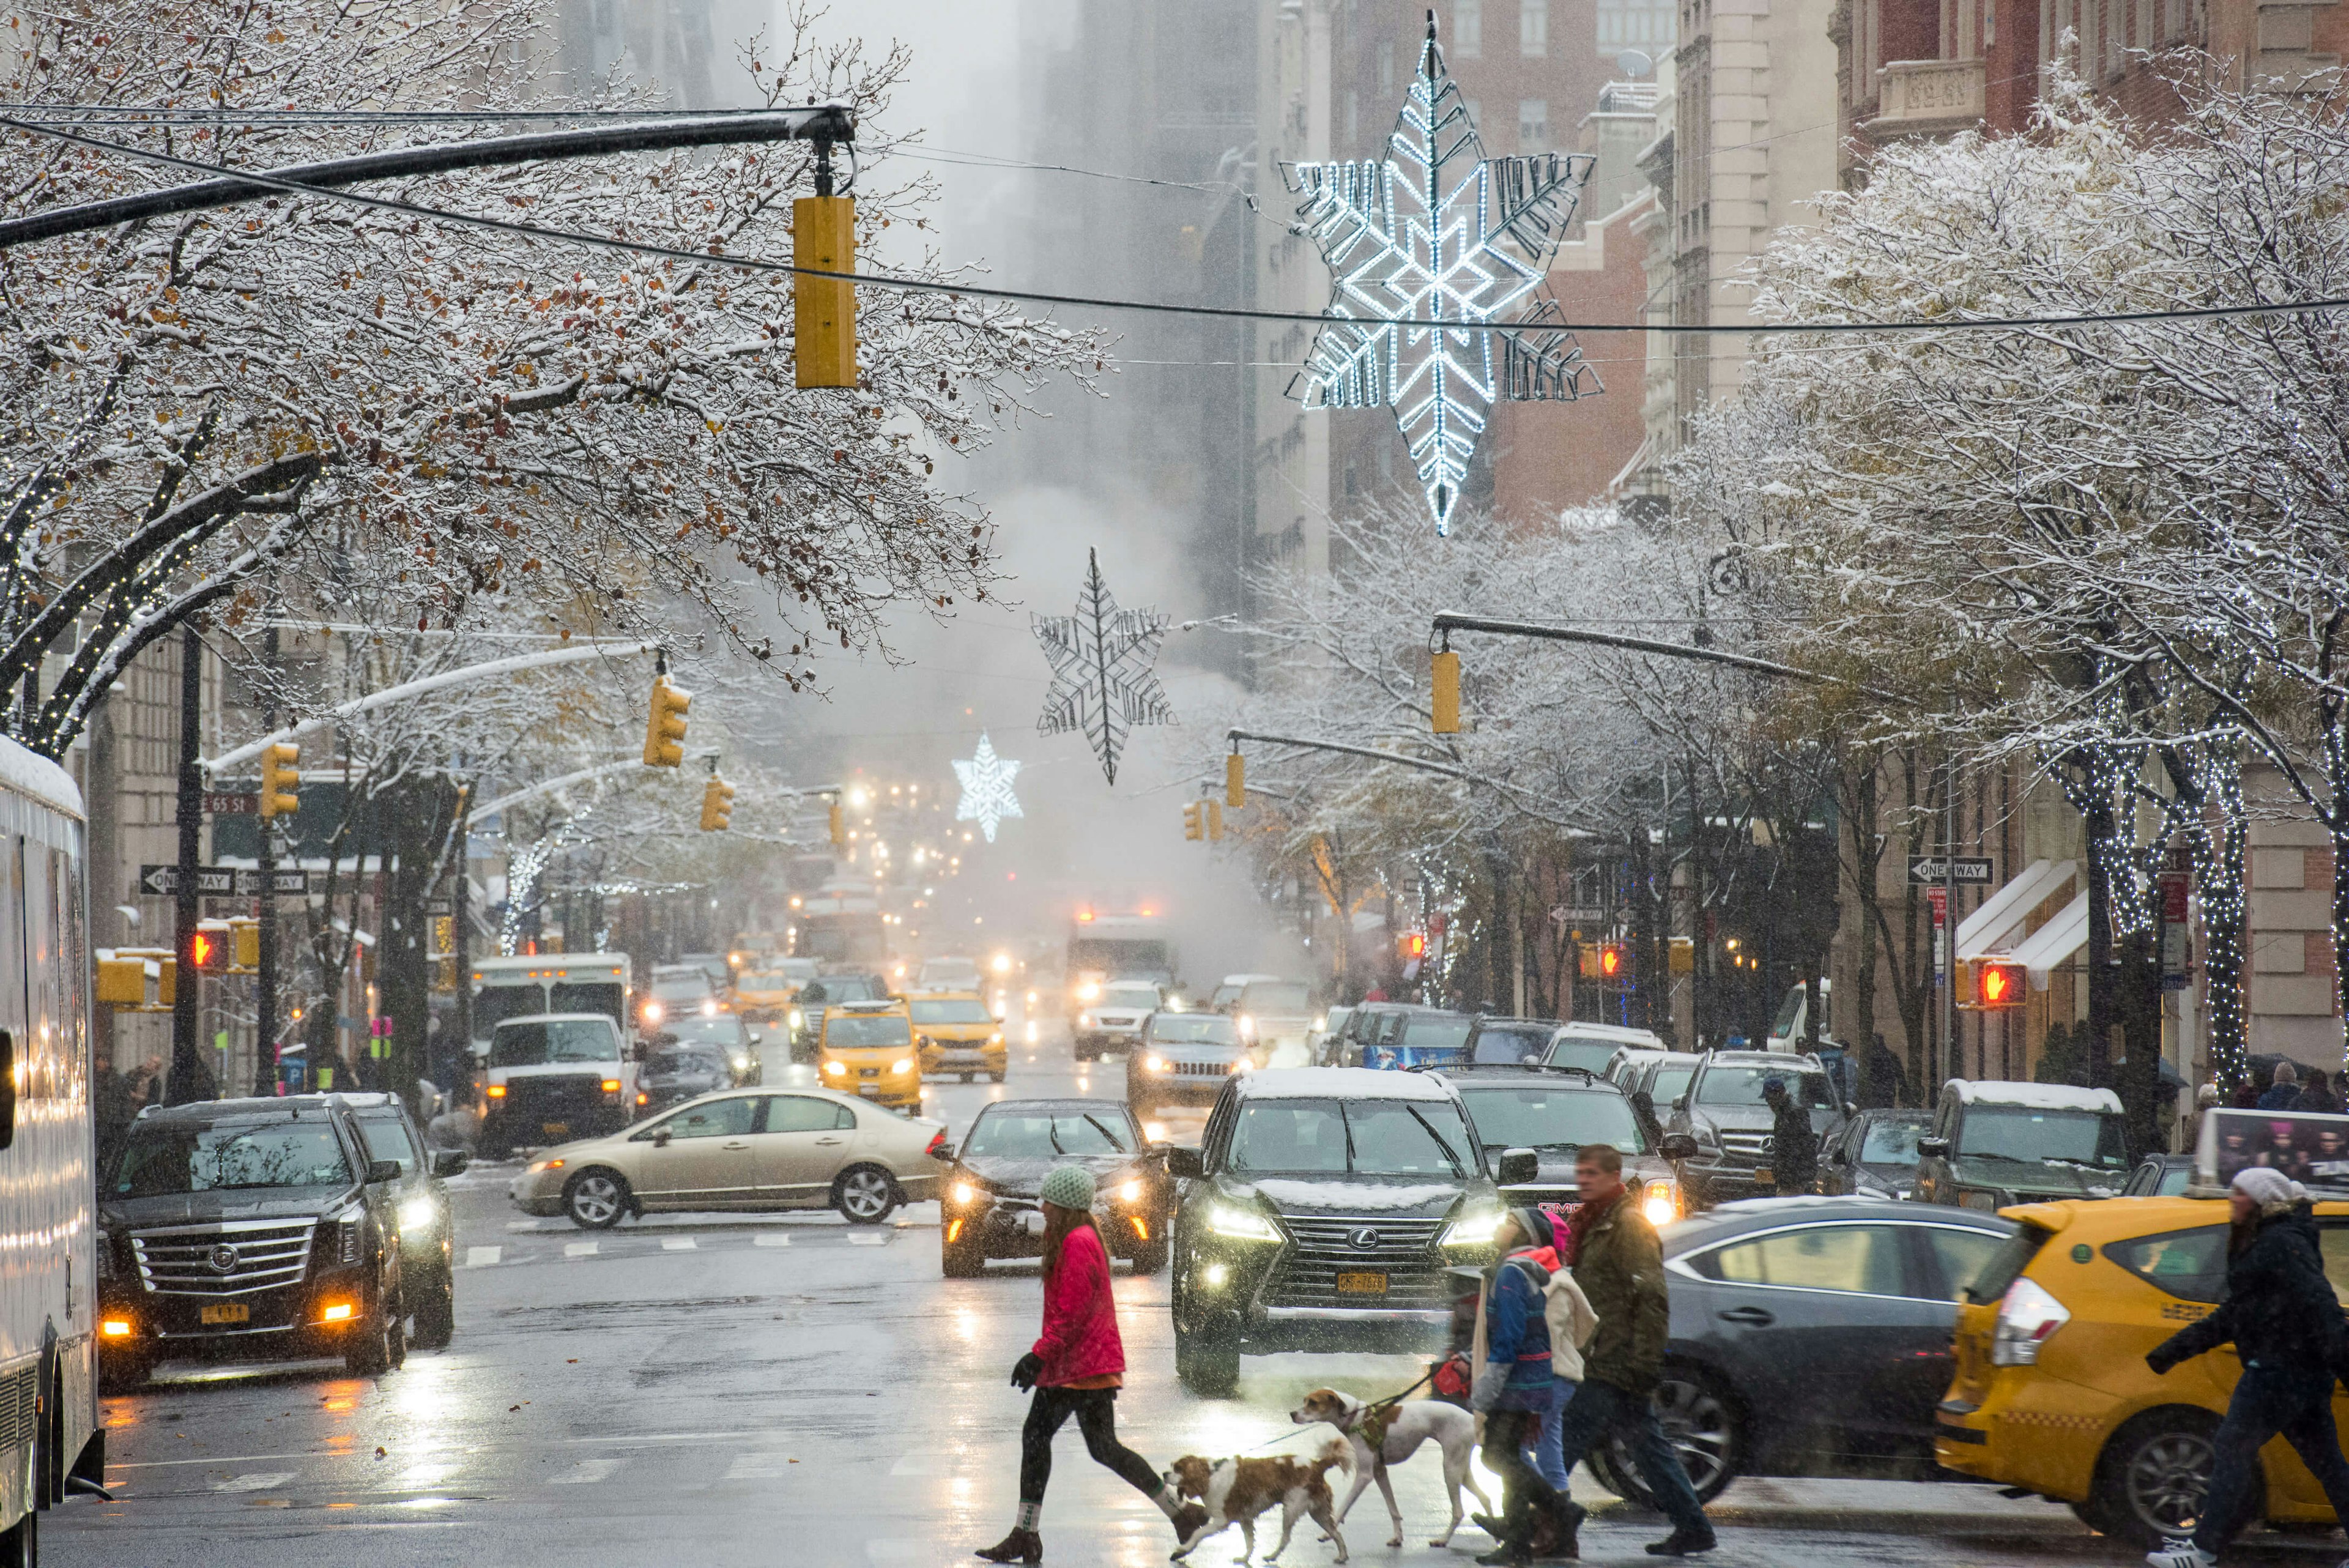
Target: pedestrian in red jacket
(1076,1368)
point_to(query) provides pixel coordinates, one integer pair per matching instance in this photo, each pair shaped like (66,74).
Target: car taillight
(937,1150)
(2027,1315)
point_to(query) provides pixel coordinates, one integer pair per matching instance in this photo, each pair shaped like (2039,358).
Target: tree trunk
(1859,1011)
(2097,829)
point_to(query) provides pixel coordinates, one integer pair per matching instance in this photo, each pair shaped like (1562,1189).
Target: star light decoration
(1438,231)
(1102,679)
(986,797)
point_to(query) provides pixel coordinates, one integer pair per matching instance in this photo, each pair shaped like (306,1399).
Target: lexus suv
(249,1229)
(1724,1112)
(1323,1207)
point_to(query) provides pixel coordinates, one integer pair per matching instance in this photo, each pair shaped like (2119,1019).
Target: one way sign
(222,881)
(1934,869)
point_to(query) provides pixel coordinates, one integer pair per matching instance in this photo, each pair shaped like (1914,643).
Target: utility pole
(460,944)
(1949,927)
(264,984)
(186,1066)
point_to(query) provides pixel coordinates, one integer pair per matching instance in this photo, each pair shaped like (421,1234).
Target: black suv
(1323,1207)
(1554,1111)
(255,1229)
(1724,1112)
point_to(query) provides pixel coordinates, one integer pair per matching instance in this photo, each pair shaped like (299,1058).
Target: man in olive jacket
(1619,1264)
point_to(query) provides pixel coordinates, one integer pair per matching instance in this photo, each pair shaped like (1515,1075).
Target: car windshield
(850,1031)
(2028,1135)
(1551,1116)
(386,1138)
(1041,1134)
(534,1044)
(1591,1055)
(1145,997)
(1436,1030)
(1671,1083)
(1360,1137)
(1512,1043)
(724,1029)
(960,1012)
(165,1159)
(1276,997)
(1224,996)
(1193,1029)
(680,984)
(950,972)
(684,1060)
(1891,1143)
(1742,1087)
(764,980)
(847,988)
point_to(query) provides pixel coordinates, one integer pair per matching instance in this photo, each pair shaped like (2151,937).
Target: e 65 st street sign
(1934,869)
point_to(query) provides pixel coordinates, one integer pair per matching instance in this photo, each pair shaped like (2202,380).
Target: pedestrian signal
(1997,984)
(208,947)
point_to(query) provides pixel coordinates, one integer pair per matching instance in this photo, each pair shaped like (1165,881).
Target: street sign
(231,802)
(1934,870)
(222,881)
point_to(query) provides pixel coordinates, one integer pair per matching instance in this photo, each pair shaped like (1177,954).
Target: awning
(2055,941)
(1997,925)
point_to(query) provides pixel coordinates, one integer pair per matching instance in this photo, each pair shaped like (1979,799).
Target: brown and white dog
(1388,1434)
(1235,1490)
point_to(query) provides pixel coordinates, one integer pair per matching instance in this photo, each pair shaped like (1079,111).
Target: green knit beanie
(1069,1186)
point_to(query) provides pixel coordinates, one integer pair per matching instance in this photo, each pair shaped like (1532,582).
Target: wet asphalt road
(776,1389)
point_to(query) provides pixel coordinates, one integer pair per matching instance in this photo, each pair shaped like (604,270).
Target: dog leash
(1391,1400)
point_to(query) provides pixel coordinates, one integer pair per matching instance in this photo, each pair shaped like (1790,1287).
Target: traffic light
(1235,781)
(1997,984)
(280,779)
(245,943)
(1216,820)
(824,309)
(1410,945)
(1443,698)
(838,828)
(664,727)
(208,947)
(716,804)
(1194,820)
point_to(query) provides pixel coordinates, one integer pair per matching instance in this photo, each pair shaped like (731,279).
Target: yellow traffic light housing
(1194,821)
(664,727)
(824,309)
(245,943)
(1235,781)
(1216,820)
(716,804)
(1443,694)
(280,779)
(838,828)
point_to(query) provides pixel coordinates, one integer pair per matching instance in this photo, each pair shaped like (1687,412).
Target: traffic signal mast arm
(1374,755)
(1446,623)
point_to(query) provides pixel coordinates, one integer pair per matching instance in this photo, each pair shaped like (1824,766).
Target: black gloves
(1024,1371)
(2161,1358)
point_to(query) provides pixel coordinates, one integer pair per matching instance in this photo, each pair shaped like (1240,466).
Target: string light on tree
(1436,231)
(986,796)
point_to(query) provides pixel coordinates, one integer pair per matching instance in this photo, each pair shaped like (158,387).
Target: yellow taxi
(2052,1393)
(867,1049)
(956,1033)
(763,991)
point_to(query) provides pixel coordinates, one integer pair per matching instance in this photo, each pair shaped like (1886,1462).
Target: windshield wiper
(1449,1159)
(1052,1131)
(1105,1132)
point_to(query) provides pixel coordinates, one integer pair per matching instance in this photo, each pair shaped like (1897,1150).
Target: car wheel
(863,1194)
(20,1543)
(2153,1476)
(1207,1359)
(595,1199)
(966,1077)
(1702,1424)
(1150,1258)
(996,1076)
(436,1311)
(371,1352)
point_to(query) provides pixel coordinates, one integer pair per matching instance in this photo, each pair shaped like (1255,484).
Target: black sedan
(990,1207)
(1876,1157)
(1810,1336)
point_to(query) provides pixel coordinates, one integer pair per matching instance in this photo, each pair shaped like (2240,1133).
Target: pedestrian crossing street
(531,1249)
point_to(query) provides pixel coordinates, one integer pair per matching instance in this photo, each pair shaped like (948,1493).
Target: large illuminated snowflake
(986,796)
(1438,231)
(1102,679)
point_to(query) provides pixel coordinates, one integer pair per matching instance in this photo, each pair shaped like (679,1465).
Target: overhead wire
(1163,307)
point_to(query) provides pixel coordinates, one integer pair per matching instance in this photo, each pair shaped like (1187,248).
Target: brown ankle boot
(1019,1546)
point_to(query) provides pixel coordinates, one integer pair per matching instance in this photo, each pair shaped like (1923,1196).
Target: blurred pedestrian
(2283,1089)
(1516,1391)
(1075,1368)
(2246,1096)
(110,1110)
(2316,1093)
(1619,1264)
(2284,1321)
(1793,1142)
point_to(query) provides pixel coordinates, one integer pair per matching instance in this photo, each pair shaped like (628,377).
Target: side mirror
(1680,1102)
(660,1139)
(1184,1162)
(1851,1107)
(1933,1148)
(382,1170)
(449,1161)
(1518,1166)
(1677,1146)
(1157,1151)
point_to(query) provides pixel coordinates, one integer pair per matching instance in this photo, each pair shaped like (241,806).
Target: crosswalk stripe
(258,1480)
(676,1245)
(585,1471)
(772,1239)
(483,1257)
(581,1248)
(868,1241)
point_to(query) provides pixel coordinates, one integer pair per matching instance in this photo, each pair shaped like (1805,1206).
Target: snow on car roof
(2036,1096)
(1342,1083)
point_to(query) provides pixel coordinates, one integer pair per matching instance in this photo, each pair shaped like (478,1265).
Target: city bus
(51,1440)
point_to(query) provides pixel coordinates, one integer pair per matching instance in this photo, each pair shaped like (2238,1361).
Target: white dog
(1390,1435)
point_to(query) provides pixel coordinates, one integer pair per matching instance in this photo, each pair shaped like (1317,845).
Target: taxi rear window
(2188,1264)
(2005,1265)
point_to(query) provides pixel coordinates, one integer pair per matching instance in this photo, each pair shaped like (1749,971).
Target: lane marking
(677,1244)
(586,1472)
(881,1240)
(581,1248)
(259,1481)
(770,1239)
(757,1466)
(483,1257)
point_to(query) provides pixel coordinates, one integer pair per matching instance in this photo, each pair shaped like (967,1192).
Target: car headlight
(653,1011)
(1130,1192)
(1245,1023)
(709,1010)
(836,1069)
(1320,1022)
(902,1064)
(964,1192)
(538,1165)
(996,1038)
(1661,1202)
(1474,1228)
(1087,991)
(799,1019)
(1154,1063)
(416,1214)
(1084,1021)
(1243,1064)
(1244,1224)
(741,1064)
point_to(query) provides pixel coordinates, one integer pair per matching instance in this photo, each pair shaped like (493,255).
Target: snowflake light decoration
(1102,679)
(986,796)
(1438,231)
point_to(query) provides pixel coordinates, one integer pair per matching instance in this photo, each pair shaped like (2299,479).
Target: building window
(1532,125)
(1467,28)
(1387,68)
(1639,24)
(1533,28)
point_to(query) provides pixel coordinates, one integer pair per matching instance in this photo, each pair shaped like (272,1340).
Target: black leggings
(1096,1413)
(1525,1495)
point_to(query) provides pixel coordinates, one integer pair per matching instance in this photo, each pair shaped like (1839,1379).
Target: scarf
(1584,1220)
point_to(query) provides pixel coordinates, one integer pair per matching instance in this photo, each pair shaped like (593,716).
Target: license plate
(557,1130)
(868,1072)
(1361,1284)
(226,1311)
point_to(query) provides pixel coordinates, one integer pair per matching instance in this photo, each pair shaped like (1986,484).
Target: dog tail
(1337,1453)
